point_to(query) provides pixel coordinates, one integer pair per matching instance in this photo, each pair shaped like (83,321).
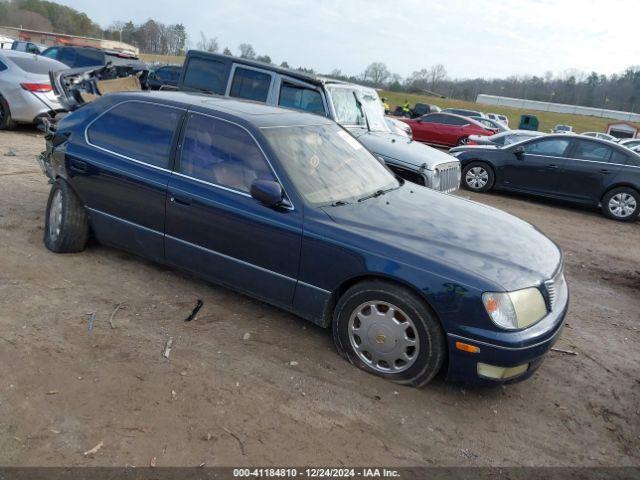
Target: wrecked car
(288,207)
(355,107)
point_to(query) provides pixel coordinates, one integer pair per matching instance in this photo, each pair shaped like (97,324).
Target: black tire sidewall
(615,191)
(432,345)
(74,227)
(489,171)
(6,123)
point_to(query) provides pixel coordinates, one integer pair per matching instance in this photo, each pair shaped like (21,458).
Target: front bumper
(463,365)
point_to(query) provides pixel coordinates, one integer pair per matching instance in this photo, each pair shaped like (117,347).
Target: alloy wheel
(384,337)
(476,177)
(622,205)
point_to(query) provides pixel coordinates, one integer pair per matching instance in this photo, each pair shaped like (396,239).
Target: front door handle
(179,199)
(605,171)
(552,166)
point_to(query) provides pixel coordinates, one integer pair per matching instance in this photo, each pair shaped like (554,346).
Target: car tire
(66,222)
(478,177)
(621,204)
(6,123)
(404,342)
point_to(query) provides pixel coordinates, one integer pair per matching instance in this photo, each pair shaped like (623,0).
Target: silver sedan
(26,94)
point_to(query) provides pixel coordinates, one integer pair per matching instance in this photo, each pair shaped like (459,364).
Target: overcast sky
(487,38)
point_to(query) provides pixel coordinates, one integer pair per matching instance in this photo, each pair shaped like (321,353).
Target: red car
(445,129)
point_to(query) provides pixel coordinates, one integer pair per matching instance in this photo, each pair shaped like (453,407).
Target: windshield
(327,165)
(350,113)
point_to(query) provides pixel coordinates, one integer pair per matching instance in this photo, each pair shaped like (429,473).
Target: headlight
(515,310)
(435,180)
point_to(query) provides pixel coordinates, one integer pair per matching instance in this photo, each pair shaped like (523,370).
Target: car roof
(255,113)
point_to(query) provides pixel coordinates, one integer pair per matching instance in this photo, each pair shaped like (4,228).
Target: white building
(622,130)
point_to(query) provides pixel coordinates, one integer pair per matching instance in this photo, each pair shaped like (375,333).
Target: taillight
(36,87)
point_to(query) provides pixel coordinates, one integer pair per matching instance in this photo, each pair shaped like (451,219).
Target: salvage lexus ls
(288,207)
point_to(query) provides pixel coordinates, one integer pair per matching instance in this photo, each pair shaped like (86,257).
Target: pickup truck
(356,108)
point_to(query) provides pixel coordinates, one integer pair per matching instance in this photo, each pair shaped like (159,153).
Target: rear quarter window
(137,130)
(203,74)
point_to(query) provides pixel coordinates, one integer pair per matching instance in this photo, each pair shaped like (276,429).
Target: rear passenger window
(593,151)
(250,84)
(208,75)
(222,153)
(138,130)
(300,98)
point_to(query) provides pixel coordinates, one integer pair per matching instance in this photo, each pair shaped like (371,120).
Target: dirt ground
(248,384)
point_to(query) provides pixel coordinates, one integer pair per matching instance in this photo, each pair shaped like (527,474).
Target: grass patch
(548,120)
(151,57)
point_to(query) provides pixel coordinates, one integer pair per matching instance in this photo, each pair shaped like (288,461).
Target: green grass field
(581,123)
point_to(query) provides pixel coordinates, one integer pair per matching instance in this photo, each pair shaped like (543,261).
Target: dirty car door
(215,228)
(122,172)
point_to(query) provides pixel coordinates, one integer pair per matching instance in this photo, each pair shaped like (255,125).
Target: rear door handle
(78,165)
(605,171)
(179,199)
(552,166)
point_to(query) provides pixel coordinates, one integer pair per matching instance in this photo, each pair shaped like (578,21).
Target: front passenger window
(300,98)
(222,153)
(553,147)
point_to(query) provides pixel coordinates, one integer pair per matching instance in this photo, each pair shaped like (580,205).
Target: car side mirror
(267,192)
(519,151)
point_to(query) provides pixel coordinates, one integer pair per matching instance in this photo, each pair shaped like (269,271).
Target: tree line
(619,91)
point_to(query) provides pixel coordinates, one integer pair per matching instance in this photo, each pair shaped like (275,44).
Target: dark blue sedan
(288,207)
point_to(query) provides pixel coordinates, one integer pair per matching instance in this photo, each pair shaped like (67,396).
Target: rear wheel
(478,177)
(387,330)
(5,116)
(66,225)
(622,204)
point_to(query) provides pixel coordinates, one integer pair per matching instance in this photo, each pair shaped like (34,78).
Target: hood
(401,149)
(466,239)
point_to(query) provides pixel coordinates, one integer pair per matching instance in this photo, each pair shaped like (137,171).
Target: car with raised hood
(355,107)
(288,207)
(26,94)
(446,129)
(574,168)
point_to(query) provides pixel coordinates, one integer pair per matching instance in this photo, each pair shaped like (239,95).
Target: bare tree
(437,74)
(376,73)
(226,51)
(247,51)
(207,44)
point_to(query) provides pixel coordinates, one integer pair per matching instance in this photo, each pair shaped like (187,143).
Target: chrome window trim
(88,142)
(604,163)
(291,206)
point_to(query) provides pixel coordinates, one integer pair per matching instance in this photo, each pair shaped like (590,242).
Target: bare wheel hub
(383,337)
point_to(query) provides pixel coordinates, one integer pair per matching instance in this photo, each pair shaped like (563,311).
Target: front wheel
(6,123)
(389,331)
(622,204)
(66,227)
(478,177)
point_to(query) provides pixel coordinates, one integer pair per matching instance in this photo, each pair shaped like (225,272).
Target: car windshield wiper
(375,194)
(339,203)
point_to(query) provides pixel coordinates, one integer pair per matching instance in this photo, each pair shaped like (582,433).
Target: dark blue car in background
(288,207)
